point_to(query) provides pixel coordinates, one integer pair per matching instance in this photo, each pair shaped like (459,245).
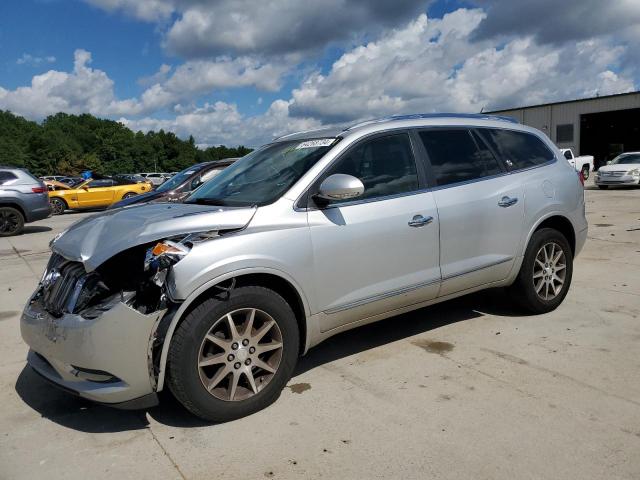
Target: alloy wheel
(57,207)
(549,271)
(9,221)
(240,354)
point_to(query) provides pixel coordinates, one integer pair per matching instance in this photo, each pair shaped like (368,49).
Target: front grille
(612,174)
(59,283)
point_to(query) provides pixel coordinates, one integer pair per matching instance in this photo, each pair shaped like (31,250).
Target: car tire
(585,172)
(128,195)
(11,222)
(603,187)
(547,261)
(58,206)
(187,370)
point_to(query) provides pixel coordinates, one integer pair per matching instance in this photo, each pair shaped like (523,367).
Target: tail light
(39,189)
(581,177)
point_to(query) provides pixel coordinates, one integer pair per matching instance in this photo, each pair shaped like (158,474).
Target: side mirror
(340,186)
(86,187)
(608,162)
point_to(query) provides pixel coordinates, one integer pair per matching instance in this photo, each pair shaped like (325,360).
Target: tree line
(66,144)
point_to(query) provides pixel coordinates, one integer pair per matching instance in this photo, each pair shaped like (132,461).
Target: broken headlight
(166,253)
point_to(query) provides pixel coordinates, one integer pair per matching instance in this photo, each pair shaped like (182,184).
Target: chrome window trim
(380,296)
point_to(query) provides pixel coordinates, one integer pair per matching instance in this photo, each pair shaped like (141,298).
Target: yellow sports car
(92,193)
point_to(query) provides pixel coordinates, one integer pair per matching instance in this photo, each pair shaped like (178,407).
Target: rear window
(6,177)
(519,150)
(457,156)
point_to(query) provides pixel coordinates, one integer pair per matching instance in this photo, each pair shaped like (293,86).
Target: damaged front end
(97,321)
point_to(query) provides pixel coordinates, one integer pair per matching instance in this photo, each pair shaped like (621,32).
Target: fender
(539,221)
(206,286)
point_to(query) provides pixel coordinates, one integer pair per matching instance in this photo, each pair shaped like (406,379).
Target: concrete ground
(469,389)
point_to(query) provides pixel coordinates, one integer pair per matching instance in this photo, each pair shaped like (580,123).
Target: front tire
(546,272)
(11,222)
(128,195)
(58,206)
(233,354)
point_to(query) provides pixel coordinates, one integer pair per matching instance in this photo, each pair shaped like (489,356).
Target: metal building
(601,126)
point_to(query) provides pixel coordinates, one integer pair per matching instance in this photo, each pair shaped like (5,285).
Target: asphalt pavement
(468,389)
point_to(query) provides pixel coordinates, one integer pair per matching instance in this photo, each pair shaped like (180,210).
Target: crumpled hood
(95,239)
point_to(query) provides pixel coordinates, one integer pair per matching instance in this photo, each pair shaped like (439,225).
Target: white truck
(583,163)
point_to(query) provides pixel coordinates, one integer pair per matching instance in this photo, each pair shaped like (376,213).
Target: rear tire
(603,187)
(585,172)
(11,222)
(128,195)
(546,272)
(220,401)
(58,206)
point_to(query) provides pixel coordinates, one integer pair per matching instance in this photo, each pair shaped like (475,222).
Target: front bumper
(622,180)
(106,359)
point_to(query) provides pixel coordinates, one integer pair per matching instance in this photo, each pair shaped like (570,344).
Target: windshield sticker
(320,142)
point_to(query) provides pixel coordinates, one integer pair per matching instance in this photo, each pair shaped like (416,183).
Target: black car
(181,184)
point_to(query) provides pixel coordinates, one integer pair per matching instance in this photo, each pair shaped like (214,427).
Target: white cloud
(426,65)
(434,65)
(91,90)
(82,90)
(222,123)
(34,61)
(148,10)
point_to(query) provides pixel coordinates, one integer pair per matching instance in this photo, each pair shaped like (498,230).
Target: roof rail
(416,116)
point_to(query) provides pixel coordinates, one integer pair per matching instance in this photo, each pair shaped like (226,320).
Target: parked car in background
(583,163)
(53,185)
(94,193)
(23,199)
(155,178)
(125,178)
(180,185)
(313,234)
(622,170)
(71,181)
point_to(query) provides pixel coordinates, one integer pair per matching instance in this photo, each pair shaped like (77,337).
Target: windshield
(178,178)
(264,175)
(626,159)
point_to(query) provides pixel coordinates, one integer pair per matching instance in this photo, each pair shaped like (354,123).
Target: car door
(480,208)
(378,252)
(96,193)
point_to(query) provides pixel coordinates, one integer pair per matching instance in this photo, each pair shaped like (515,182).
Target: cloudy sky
(243,71)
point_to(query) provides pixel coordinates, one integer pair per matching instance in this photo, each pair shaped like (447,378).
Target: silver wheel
(240,354)
(549,271)
(57,206)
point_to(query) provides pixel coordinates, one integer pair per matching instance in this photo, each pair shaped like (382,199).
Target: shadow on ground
(35,229)
(82,415)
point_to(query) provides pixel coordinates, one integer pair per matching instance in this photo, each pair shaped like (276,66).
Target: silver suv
(23,199)
(315,233)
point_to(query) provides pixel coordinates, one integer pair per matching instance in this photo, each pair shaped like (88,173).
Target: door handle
(507,201)
(420,221)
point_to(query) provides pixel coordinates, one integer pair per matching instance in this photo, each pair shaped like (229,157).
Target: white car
(622,170)
(154,177)
(583,163)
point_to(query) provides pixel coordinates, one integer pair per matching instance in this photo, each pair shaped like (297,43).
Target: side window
(5,177)
(101,183)
(385,165)
(457,156)
(518,149)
